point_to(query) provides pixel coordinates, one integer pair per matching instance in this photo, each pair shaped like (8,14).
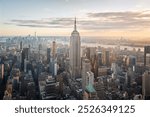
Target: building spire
(75,27)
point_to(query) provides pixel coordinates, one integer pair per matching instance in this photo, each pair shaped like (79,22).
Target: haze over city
(95,17)
(74,50)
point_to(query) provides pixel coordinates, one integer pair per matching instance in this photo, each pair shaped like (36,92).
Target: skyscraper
(24,55)
(21,45)
(106,56)
(75,59)
(146,51)
(54,49)
(90,92)
(86,67)
(1,71)
(99,58)
(39,52)
(48,55)
(146,85)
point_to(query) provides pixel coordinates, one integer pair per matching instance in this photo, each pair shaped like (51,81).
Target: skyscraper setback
(75,59)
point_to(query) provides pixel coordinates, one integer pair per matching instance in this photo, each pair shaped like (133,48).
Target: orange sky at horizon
(10,31)
(119,18)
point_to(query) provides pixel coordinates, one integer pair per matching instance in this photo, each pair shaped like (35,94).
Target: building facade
(75,57)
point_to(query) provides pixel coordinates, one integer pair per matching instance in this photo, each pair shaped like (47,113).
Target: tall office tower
(86,67)
(75,59)
(29,52)
(131,61)
(53,67)
(21,45)
(99,59)
(15,78)
(97,63)
(106,56)
(26,62)
(24,55)
(40,48)
(115,68)
(90,52)
(129,77)
(146,85)
(54,49)
(95,66)
(48,55)
(1,72)
(1,80)
(146,51)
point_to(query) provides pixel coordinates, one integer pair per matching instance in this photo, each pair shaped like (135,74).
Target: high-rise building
(99,59)
(75,59)
(131,61)
(100,89)
(89,78)
(54,49)
(15,78)
(53,66)
(146,85)
(146,51)
(31,92)
(24,55)
(48,55)
(129,77)
(86,67)
(1,71)
(26,62)
(51,89)
(97,62)
(90,92)
(115,69)
(90,52)
(40,48)
(106,57)
(21,45)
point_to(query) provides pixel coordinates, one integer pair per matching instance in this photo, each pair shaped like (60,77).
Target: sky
(124,18)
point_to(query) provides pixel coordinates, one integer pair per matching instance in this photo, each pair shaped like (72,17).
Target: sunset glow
(95,18)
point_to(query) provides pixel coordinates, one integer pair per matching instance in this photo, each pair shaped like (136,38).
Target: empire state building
(75,57)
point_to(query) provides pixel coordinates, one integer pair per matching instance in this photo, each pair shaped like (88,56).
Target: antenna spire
(75,27)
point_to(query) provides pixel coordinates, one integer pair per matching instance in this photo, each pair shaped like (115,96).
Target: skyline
(42,68)
(94,18)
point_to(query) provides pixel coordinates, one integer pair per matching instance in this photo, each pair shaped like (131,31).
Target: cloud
(43,23)
(93,21)
(122,20)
